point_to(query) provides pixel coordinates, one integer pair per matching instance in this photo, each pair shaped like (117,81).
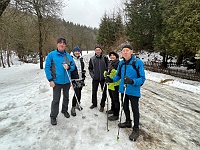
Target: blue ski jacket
(54,69)
(128,70)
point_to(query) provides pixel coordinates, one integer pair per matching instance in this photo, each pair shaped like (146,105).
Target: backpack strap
(136,68)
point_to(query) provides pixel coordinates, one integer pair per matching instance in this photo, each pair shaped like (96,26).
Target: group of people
(126,77)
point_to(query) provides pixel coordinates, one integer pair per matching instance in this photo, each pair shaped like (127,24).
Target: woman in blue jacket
(58,67)
(131,72)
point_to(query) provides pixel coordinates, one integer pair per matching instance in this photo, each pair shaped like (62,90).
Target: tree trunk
(198,65)
(8,58)
(40,41)
(2,59)
(180,59)
(3,5)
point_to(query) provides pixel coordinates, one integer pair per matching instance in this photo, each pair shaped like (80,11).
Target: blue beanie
(76,48)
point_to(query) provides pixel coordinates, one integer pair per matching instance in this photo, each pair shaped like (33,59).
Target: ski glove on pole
(127,80)
(108,80)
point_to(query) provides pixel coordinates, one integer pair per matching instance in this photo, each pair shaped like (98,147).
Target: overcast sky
(89,12)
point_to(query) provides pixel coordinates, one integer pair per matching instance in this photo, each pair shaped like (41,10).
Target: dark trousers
(135,108)
(115,104)
(78,95)
(95,84)
(56,99)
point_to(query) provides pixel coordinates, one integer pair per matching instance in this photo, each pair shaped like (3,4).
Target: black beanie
(114,53)
(61,40)
(127,46)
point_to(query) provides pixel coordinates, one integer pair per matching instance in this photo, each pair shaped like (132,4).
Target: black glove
(108,80)
(128,80)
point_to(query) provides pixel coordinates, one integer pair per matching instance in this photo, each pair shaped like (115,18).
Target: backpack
(134,67)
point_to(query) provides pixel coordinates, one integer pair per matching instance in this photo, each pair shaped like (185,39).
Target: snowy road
(170,118)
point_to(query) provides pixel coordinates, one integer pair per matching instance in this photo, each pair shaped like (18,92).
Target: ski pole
(83,117)
(121,110)
(107,106)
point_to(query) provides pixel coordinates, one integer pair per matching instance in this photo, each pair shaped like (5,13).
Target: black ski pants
(115,104)
(78,94)
(95,84)
(135,108)
(56,99)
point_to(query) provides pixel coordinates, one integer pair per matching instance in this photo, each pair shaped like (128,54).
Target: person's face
(126,53)
(77,53)
(61,46)
(98,51)
(112,57)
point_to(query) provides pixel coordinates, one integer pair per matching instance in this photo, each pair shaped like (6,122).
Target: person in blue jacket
(130,84)
(58,67)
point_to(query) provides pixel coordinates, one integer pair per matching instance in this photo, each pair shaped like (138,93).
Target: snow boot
(113,118)
(126,124)
(73,111)
(101,109)
(53,121)
(110,112)
(66,114)
(92,106)
(134,135)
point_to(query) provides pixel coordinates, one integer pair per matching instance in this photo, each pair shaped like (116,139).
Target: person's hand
(128,80)
(108,80)
(52,84)
(105,74)
(66,66)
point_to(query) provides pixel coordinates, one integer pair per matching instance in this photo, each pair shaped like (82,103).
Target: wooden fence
(185,74)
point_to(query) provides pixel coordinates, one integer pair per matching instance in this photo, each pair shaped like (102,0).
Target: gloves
(128,80)
(108,80)
(105,74)
(66,66)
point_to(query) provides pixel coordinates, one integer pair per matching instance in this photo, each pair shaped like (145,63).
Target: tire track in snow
(170,116)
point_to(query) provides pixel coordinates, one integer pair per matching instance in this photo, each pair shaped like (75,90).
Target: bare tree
(42,9)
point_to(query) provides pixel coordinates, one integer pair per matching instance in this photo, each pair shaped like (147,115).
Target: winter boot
(53,121)
(66,114)
(110,112)
(126,124)
(113,118)
(73,111)
(92,106)
(101,109)
(135,134)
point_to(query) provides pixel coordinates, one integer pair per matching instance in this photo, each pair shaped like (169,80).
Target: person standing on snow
(131,81)
(58,67)
(113,87)
(97,65)
(77,78)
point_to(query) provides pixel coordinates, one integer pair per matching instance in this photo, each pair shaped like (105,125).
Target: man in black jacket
(97,65)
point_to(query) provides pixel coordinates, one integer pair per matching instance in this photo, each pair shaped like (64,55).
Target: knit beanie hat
(75,49)
(127,46)
(60,40)
(114,53)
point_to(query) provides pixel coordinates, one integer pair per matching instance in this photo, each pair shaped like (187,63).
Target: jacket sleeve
(83,69)
(140,80)
(90,68)
(117,77)
(47,68)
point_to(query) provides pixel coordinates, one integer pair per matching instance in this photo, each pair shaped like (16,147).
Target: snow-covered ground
(169,111)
